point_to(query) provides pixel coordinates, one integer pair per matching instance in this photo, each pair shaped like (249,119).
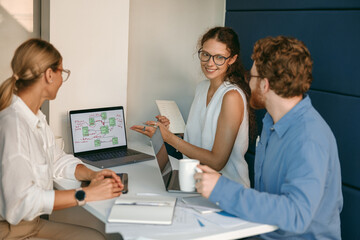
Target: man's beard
(256,99)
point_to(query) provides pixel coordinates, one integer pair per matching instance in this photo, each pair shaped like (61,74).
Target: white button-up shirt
(30,162)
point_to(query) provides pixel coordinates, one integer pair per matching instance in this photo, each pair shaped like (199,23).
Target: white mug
(59,142)
(187,169)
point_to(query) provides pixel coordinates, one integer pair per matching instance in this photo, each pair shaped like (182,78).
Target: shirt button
(217,203)
(39,125)
(272,129)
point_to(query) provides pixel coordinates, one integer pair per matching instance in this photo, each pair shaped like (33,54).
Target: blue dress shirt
(297,179)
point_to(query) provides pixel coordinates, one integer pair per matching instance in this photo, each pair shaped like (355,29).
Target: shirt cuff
(48,200)
(64,167)
(219,192)
(69,172)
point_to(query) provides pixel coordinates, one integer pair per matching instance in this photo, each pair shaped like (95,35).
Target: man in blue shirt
(297,170)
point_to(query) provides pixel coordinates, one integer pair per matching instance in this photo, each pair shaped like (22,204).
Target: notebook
(171,110)
(99,137)
(145,210)
(169,175)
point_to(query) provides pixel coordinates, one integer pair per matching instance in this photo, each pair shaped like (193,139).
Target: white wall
(19,21)
(98,39)
(163,62)
(92,36)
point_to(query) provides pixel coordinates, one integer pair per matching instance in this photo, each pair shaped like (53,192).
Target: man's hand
(206,181)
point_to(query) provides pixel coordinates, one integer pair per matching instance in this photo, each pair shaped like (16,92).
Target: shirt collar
(287,120)
(34,121)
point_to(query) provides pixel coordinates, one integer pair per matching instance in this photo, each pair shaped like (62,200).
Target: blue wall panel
(350,214)
(334,48)
(338,111)
(238,5)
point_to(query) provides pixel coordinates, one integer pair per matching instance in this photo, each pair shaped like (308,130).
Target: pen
(155,204)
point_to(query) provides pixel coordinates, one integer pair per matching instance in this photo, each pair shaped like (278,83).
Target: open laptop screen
(96,129)
(162,156)
(160,150)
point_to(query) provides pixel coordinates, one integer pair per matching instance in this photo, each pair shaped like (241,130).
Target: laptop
(170,176)
(99,137)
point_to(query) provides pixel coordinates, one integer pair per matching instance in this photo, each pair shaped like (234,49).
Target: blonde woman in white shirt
(29,159)
(217,130)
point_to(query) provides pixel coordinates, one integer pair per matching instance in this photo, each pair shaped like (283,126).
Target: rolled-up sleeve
(65,165)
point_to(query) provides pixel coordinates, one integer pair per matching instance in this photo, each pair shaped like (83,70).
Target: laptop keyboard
(110,155)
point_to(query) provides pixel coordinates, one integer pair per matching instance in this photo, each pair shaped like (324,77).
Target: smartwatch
(80,196)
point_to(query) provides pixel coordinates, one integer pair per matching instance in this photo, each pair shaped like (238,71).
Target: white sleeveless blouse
(201,129)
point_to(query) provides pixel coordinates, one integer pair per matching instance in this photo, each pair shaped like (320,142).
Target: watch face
(80,195)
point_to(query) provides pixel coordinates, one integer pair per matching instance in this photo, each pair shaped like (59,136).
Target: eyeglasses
(218,59)
(65,74)
(248,77)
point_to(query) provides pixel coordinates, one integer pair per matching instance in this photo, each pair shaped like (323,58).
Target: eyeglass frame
(66,71)
(212,56)
(248,76)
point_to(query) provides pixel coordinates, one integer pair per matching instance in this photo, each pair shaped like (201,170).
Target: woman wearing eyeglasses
(29,159)
(217,130)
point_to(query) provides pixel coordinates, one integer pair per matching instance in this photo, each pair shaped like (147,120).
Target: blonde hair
(31,59)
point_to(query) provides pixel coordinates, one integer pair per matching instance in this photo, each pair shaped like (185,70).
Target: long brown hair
(235,73)
(30,61)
